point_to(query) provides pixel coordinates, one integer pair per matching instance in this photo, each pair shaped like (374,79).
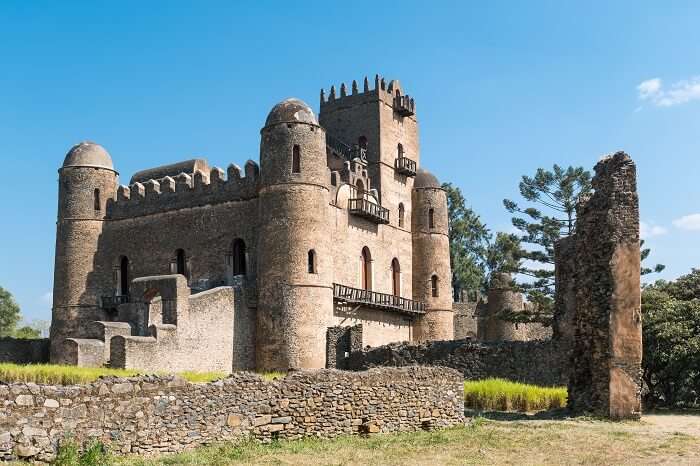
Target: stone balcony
(369,210)
(404,105)
(406,166)
(350,295)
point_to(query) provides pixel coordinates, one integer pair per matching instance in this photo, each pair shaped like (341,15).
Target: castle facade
(191,267)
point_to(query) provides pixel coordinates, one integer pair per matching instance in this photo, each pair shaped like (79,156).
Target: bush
(504,395)
(94,454)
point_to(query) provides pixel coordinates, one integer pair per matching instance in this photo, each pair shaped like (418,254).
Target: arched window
(360,188)
(311,262)
(296,159)
(124,276)
(366,269)
(399,150)
(180,262)
(401,215)
(239,257)
(362,142)
(98,204)
(434,282)
(431,218)
(395,277)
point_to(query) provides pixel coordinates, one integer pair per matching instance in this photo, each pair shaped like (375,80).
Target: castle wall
(24,351)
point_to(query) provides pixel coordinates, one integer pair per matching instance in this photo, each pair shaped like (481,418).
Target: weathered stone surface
(25,400)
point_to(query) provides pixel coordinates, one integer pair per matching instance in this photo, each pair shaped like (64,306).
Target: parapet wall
(24,351)
(151,414)
(185,191)
(535,362)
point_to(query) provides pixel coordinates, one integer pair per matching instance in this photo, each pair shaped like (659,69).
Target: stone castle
(193,267)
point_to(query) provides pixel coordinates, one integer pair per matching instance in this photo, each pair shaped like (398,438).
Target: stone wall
(340,343)
(24,351)
(607,349)
(536,362)
(465,320)
(150,414)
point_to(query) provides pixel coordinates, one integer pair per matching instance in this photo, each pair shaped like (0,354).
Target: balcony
(111,302)
(345,150)
(404,105)
(406,166)
(349,295)
(367,209)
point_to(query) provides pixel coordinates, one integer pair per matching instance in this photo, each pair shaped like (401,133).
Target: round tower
(502,298)
(432,275)
(86,181)
(295,290)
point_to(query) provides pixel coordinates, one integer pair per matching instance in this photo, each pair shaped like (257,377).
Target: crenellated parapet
(185,191)
(389,93)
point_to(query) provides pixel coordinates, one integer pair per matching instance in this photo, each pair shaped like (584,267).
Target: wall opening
(311,261)
(399,150)
(124,276)
(366,269)
(96,199)
(360,185)
(395,277)
(180,262)
(434,286)
(431,218)
(296,159)
(239,257)
(401,215)
(362,142)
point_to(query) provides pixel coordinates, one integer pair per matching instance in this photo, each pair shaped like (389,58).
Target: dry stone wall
(24,351)
(152,414)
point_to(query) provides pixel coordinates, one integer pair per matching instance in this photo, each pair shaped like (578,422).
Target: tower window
(434,282)
(311,266)
(395,277)
(239,257)
(401,215)
(399,150)
(96,198)
(180,265)
(431,218)
(366,269)
(124,276)
(296,159)
(360,188)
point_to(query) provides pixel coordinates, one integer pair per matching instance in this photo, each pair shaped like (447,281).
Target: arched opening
(239,257)
(360,185)
(399,150)
(296,159)
(431,218)
(366,269)
(434,283)
(401,215)
(311,261)
(96,199)
(124,276)
(362,142)
(395,277)
(180,262)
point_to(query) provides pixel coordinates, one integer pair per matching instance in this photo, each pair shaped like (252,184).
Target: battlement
(185,191)
(389,93)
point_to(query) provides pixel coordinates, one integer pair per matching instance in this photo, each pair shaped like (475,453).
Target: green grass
(504,395)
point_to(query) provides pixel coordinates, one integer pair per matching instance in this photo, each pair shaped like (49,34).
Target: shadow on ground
(553,415)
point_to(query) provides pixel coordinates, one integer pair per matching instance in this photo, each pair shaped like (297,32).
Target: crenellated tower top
(390,93)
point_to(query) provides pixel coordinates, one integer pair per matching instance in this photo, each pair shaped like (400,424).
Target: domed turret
(88,154)
(432,274)
(295,292)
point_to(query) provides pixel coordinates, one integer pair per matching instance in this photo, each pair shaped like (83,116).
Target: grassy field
(504,395)
(525,440)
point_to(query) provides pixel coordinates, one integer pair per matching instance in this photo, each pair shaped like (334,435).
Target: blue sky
(501,88)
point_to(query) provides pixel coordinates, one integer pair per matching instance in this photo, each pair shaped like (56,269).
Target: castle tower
(87,180)
(295,292)
(432,275)
(502,298)
(383,121)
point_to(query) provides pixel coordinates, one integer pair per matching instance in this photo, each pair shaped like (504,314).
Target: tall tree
(9,313)
(469,239)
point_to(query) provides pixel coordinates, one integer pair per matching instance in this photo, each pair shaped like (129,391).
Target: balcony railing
(369,298)
(369,210)
(404,105)
(406,166)
(111,302)
(345,150)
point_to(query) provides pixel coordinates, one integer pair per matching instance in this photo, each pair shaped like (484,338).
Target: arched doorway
(395,277)
(360,189)
(366,269)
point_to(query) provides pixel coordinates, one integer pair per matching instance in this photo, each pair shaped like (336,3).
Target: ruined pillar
(565,291)
(607,353)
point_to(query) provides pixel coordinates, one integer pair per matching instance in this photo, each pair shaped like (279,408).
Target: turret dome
(425,179)
(289,111)
(88,154)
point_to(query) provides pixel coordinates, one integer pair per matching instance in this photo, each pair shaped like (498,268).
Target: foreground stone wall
(151,414)
(536,362)
(24,351)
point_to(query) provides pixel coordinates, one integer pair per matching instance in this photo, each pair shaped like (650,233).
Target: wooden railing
(404,105)
(406,166)
(370,298)
(345,150)
(111,302)
(369,210)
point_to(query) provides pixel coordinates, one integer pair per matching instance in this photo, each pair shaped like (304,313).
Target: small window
(360,188)
(434,282)
(124,276)
(431,218)
(239,257)
(311,266)
(296,159)
(362,142)
(399,150)
(395,277)
(98,203)
(180,262)
(401,215)
(366,269)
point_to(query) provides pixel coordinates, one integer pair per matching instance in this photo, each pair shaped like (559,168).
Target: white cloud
(649,230)
(653,90)
(688,222)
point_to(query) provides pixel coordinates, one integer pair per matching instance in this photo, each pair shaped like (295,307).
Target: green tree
(469,239)
(9,313)
(27,332)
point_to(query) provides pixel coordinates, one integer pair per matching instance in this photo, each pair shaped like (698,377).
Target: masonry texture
(150,414)
(337,225)
(24,351)
(535,362)
(607,345)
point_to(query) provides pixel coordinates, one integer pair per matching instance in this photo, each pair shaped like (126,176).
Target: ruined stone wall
(154,415)
(535,362)
(465,320)
(565,287)
(24,351)
(340,343)
(607,352)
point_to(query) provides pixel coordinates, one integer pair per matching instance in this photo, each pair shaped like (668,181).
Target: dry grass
(504,395)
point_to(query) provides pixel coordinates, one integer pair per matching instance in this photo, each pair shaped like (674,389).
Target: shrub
(94,454)
(504,395)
